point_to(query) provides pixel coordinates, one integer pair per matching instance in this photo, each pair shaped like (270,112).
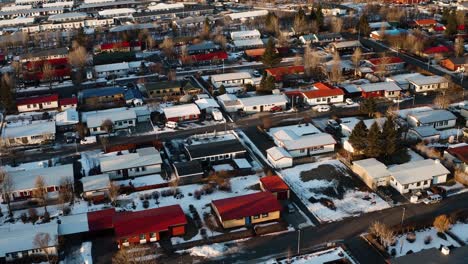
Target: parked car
(333,124)
(349,101)
(322,108)
(276,109)
(88,140)
(435,198)
(171,124)
(256,73)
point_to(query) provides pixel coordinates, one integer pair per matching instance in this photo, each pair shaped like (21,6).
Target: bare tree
(442,223)
(113,192)
(220,40)
(312,62)
(336,24)
(104,142)
(459,47)
(81,130)
(336,71)
(382,232)
(356,59)
(66,194)
(133,255)
(6,188)
(40,191)
(107,125)
(48,74)
(441,101)
(78,56)
(167,47)
(267,122)
(43,241)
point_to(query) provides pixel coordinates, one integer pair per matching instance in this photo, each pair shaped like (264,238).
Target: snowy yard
(329,192)
(425,239)
(82,255)
(461,231)
(214,250)
(331,255)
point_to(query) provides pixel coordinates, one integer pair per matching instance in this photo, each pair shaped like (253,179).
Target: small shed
(279,157)
(275,185)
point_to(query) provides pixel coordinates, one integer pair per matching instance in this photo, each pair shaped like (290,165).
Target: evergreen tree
(270,57)
(390,136)
(267,84)
(358,137)
(363,25)
(300,21)
(451,28)
(374,146)
(313,15)
(6,94)
(320,16)
(369,106)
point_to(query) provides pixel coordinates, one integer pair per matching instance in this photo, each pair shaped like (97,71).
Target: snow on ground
(419,244)
(354,202)
(89,160)
(223,167)
(325,256)
(461,231)
(28,166)
(81,255)
(210,251)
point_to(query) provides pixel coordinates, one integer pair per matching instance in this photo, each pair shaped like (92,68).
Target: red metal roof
(323,90)
(388,60)
(255,52)
(438,49)
(218,55)
(68,101)
(246,205)
(37,99)
(107,46)
(425,22)
(279,72)
(100,220)
(153,220)
(438,28)
(460,153)
(274,183)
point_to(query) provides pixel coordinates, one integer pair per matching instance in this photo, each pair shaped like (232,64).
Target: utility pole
(298,241)
(401,226)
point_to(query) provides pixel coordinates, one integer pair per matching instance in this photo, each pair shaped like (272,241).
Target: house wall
(121,124)
(224,156)
(263,107)
(65,107)
(159,93)
(139,239)
(391,94)
(325,100)
(312,150)
(12,256)
(372,94)
(31,140)
(135,172)
(104,99)
(439,179)
(184,118)
(281,163)
(264,218)
(428,87)
(368,179)
(233,82)
(408,187)
(437,125)
(38,106)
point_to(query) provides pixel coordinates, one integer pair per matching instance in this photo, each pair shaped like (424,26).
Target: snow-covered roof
(73,224)
(112,67)
(425,80)
(348,123)
(242,163)
(345,44)
(380,86)
(300,130)
(164,6)
(17,21)
(416,171)
(181,110)
(264,100)
(22,239)
(25,179)
(95,119)
(116,11)
(248,42)
(67,117)
(379,25)
(278,153)
(308,141)
(30,129)
(237,35)
(206,103)
(373,168)
(95,182)
(67,16)
(142,157)
(227,97)
(248,14)
(403,78)
(230,76)
(428,117)
(426,131)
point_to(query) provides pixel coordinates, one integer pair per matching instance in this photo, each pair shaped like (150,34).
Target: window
(418,184)
(405,186)
(29,106)
(142,237)
(137,169)
(254,108)
(227,156)
(152,235)
(256,216)
(130,122)
(302,150)
(212,158)
(143,168)
(265,215)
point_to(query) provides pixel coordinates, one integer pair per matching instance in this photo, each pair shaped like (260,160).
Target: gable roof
(374,168)
(323,90)
(386,60)
(187,168)
(152,220)
(214,148)
(280,72)
(433,116)
(460,153)
(181,110)
(37,99)
(142,157)
(100,220)
(25,179)
(380,86)
(425,22)
(246,205)
(278,153)
(415,171)
(274,183)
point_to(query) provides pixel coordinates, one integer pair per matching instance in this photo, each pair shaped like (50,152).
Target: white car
(349,101)
(88,140)
(322,108)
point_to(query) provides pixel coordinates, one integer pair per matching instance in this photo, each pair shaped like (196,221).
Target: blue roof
(133,94)
(106,91)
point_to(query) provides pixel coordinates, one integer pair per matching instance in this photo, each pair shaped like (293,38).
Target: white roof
(31,129)
(230,76)
(403,78)
(264,100)
(67,16)
(73,224)
(206,103)
(308,141)
(227,97)
(248,42)
(112,67)
(425,80)
(25,179)
(181,110)
(237,35)
(164,6)
(248,14)
(416,171)
(433,116)
(95,119)
(348,123)
(374,168)
(143,157)
(300,130)
(16,21)
(380,86)
(95,182)
(116,11)
(278,153)
(242,163)
(67,117)
(22,239)
(349,43)
(379,25)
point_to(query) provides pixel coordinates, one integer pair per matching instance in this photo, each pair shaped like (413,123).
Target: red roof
(425,22)
(68,101)
(460,153)
(438,28)
(274,184)
(153,220)
(323,90)
(100,220)
(279,72)
(37,99)
(246,205)
(438,49)
(108,46)
(255,52)
(219,55)
(388,60)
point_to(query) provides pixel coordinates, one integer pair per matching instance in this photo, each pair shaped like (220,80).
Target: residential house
(417,175)
(105,95)
(68,103)
(122,118)
(120,46)
(386,64)
(116,12)
(231,80)
(437,51)
(160,90)
(24,181)
(149,225)
(263,103)
(116,70)
(402,79)
(380,89)
(455,63)
(215,151)
(38,103)
(439,119)
(143,161)
(428,134)
(323,94)
(279,157)
(425,23)
(247,210)
(18,243)
(372,172)
(280,73)
(204,47)
(276,186)
(321,38)
(347,124)
(189,172)
(246,34)
(254,54)
(229,102)
(182,113)
(28,133)
(67,120)
(216,57)
(424,84)
(345,47)
(248,15)
(387,33)
(96,187)
(458,156)
(45,55)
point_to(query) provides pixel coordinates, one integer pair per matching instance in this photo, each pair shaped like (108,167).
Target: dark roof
(130,94)
(434,256)
(246,205)
(188,168)
(162,85)
(274,183)
(214,148)
(152,220)
(49,52)
(106,91)
(100,220)
(328,36)
(206,45)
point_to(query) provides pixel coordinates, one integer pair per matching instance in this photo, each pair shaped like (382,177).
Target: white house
(245,34)
(18,242)
(229,102)
(181,113)
(402,79)
(122,118)
(117,69)
(96,186)
(424,84)
(116,12)
(28,133)
(372,172)
(279,157)
(439,119)
(416,175)
(37,103)
(263,103)
(236,79)
(144,161)
(243,16)
(323,94)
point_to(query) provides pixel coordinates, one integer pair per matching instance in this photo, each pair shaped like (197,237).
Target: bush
(208,188)
(145,204)
(133,205)
(24,218)
(141,197)
(411,237)
(203,233)
(33,216)
(409,252)
(393,252)
(156,195)
(66,210)
(427,240)
(197,194)
(147,196)
(46,217)
(442,235)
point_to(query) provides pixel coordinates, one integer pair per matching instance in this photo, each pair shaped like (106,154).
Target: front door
(261,108)
(247,220)
(125,173)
